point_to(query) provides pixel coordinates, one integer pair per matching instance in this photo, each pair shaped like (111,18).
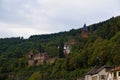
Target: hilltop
(101,47)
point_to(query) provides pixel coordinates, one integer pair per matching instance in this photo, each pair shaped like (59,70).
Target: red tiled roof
(116,69)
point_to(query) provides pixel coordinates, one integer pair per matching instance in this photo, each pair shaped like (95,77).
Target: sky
(23,18)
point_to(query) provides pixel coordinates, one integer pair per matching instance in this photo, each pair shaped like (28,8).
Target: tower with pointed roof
(84,31)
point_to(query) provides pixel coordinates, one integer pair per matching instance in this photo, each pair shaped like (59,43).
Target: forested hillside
(101,47)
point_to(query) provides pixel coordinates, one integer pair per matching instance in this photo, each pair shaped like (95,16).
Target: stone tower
(84,31)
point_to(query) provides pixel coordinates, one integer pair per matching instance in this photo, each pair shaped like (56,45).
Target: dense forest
(101,47)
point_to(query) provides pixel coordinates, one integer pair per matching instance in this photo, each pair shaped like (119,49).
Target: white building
(68,46)
(114,74)
(67,49)
(98,73)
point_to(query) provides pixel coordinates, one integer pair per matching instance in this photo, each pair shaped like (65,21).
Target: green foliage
(61,46)
(36,76)
(101,47)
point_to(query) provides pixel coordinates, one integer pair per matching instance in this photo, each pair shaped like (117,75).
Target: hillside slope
(101,47)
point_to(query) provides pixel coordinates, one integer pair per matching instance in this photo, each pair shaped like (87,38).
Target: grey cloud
(49,16)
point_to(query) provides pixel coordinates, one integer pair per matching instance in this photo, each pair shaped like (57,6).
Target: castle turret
(84,31)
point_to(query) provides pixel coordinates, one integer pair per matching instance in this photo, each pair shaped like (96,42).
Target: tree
(61,46)
(36,76)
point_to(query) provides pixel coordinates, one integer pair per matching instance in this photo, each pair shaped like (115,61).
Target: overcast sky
(30,17)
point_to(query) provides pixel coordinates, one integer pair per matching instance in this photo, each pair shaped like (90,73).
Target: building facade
(114,74)
(98,73)
(37,59)
(68,46)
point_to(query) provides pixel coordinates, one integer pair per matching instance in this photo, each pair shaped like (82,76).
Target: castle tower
(84,31)
(30,58)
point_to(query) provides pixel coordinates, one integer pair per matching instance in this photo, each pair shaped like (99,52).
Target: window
(114,74)
(118,73)
(102,76)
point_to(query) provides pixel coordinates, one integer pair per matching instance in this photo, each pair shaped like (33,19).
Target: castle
(84,31)
(37,59)
(68,45)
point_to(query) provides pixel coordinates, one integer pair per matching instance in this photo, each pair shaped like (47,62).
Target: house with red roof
(114,74)
(98,73)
